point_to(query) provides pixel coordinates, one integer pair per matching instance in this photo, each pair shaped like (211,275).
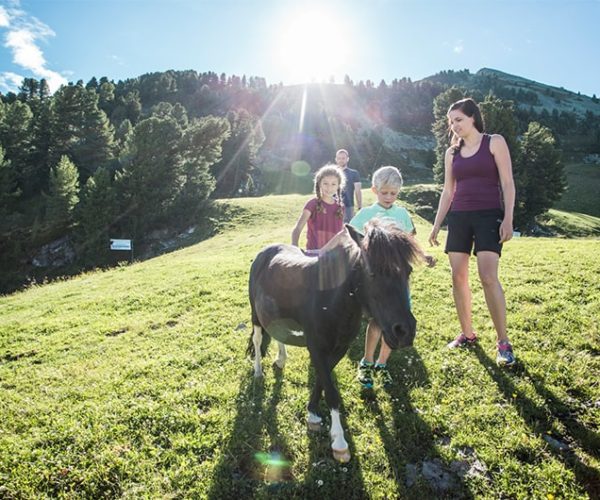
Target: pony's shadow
(410,443)
(243,465)
(539,420)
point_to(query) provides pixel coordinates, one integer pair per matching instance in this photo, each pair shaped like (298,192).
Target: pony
(317,302)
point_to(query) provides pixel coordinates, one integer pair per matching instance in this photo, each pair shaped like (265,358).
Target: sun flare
(313,46)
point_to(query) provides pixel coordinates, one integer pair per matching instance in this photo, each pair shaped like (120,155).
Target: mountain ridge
(526,92)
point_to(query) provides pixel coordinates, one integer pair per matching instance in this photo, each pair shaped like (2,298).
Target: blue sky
(550,41)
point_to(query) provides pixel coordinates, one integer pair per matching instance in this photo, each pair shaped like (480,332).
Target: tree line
(121,159)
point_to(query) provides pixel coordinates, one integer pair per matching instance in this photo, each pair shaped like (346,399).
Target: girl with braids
(478,196)
(324,214)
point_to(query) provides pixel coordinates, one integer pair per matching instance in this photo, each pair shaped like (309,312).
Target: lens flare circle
(300,168)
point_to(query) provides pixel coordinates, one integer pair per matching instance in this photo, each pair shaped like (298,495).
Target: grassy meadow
(134,383)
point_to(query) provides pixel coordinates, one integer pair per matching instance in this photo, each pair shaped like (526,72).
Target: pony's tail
(264,345)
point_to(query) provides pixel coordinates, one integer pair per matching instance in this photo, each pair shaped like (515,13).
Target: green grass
(570,224)
(133,383)
(581,195)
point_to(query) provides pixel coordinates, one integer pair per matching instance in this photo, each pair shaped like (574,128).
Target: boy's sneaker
(462,341)
(384,375)
(505,356)
(365,374)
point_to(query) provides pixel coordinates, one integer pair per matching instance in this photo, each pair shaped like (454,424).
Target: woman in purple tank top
(478,197)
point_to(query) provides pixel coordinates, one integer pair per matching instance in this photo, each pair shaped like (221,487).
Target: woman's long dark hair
(469,108)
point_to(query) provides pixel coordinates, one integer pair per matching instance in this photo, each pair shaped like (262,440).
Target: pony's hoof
(315,426)
(342,456)
(279,365)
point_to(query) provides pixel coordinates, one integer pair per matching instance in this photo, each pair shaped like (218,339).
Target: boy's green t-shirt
(395,215)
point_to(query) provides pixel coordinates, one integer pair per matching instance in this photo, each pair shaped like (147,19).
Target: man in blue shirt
(353,185)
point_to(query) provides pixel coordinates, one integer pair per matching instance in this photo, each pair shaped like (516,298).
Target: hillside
(134,383)
(527,94)
(548,97)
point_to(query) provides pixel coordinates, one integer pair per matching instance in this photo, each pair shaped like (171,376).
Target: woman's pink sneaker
(462,341)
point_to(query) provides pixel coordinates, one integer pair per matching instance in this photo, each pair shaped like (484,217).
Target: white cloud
(117,59)
(25,52)
(10,82)
(4,18)
(459,47)
(23,36)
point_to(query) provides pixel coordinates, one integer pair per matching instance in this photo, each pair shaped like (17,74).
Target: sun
(313,46)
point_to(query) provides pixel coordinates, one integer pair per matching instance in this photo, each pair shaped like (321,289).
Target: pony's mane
(342,243)
(337,260)
(389,250)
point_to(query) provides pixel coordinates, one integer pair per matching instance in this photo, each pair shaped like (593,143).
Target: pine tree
(127,107)
(96,214)
(539,177)
(80,129)
(9,190)
(106,97)
(151,175)
(38,171)
(239,152)
(63,196)
(440,127)
(96,147)
(499,118)
(123,133)
(16,138)
(201,148)
(13,234)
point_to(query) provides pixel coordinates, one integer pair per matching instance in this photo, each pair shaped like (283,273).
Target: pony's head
(387,255)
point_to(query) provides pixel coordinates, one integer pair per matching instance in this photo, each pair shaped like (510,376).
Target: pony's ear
(354,234)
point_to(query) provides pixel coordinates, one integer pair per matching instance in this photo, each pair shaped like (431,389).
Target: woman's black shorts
(479,227)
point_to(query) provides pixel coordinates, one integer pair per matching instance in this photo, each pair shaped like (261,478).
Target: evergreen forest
(145,158)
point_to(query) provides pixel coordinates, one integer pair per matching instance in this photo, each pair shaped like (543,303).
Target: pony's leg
(257,341)
(313,419)
(281,356)
(324,365)
(339,446)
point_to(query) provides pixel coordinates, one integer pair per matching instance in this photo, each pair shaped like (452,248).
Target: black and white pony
(318,302)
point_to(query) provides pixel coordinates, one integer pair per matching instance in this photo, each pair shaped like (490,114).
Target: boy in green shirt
(386,184)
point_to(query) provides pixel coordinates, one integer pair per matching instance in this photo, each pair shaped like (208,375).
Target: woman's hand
(506,231)
(433,241)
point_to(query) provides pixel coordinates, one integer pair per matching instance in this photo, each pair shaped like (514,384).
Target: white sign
(120,244)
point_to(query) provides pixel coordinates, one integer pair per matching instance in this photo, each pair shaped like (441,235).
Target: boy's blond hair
(387,176)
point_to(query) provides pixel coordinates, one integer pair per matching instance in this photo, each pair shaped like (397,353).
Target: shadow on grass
(214,218)
(327,478)
(244,466)
(246,471)
(408,440)
(540,419)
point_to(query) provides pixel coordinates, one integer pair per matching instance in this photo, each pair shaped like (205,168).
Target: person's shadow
(409,442)
(540,420)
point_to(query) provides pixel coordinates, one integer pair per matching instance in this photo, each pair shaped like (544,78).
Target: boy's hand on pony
(430,260)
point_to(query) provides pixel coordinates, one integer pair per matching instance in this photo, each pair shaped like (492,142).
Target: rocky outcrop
(57,253)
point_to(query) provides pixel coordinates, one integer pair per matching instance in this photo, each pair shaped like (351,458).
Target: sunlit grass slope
(583,183)
(134,383)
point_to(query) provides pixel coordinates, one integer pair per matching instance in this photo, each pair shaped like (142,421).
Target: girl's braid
(340,204)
